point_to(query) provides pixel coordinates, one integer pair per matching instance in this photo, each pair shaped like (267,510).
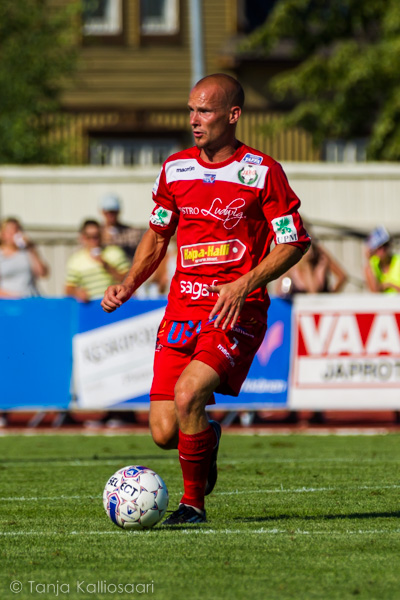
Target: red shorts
(230,353)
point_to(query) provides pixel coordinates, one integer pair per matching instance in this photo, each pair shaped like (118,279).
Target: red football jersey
(226,215)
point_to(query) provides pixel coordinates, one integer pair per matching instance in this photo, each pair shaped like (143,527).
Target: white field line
(199,531)
(76,463)
(306,490)
(281,490)
(266,459)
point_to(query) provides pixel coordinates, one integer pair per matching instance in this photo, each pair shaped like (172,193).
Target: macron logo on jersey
(184,169)
(253,159)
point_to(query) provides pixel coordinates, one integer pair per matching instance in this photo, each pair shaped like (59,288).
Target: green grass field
(291,517)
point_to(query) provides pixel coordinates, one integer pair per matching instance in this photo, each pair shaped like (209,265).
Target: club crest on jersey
(248,175)
(161,216)
(285,230)
(252,159)
(209,178)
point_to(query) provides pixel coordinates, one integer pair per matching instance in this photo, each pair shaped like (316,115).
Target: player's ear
(234,114)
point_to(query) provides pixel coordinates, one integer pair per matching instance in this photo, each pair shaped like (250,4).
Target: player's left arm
(280,206)
(232,296)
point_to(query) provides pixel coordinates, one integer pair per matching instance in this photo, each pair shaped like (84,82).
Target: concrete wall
(357,196)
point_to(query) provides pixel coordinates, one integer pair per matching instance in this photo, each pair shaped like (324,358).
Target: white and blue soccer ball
(135,498)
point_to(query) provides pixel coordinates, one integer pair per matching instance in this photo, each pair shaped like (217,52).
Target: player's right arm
(152,247)
(149,253)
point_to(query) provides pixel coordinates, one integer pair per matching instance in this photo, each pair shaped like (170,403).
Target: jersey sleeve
(280,207)
(165,215)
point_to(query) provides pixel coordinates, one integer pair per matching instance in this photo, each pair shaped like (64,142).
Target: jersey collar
(235,156)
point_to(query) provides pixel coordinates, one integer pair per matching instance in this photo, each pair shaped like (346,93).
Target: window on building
(119,152)
(159,17)
(102,17)
(253,13)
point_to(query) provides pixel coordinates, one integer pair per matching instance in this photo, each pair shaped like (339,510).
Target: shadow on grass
(367,515)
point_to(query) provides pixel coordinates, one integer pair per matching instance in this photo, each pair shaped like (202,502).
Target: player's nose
(194,118)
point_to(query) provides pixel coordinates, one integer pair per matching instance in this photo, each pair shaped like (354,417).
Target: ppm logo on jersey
(253,159)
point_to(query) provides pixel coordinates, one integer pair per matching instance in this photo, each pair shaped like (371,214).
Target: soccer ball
(135,498)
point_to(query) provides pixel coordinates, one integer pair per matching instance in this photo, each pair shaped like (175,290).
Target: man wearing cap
(116,233)
(382,270)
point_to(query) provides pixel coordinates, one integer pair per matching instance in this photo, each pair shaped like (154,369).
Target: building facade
(127,103)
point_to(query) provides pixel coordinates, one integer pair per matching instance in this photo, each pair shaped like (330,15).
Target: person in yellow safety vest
(382,270)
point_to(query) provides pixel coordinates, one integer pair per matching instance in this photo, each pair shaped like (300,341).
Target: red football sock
(195,456)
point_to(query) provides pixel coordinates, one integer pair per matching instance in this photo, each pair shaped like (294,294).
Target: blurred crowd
(107,247)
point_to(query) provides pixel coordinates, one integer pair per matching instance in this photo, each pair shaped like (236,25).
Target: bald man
(227,202)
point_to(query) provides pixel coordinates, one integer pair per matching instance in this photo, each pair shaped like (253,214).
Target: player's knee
(165,437)
(186,401)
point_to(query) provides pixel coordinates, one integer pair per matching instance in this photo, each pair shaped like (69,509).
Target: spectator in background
(20,262)
(317,272)
(382,270)
(94,267)
(116,233)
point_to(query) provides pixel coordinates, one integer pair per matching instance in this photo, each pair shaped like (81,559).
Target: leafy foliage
(37,54)
(345,83)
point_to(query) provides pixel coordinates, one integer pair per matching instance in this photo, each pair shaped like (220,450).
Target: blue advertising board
(36,352)
(92,316)
(36,356)
(267,382)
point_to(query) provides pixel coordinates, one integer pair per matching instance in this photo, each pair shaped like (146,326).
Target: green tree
(37,55)
(345,82)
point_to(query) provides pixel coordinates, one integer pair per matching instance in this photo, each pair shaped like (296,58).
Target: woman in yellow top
(382,270)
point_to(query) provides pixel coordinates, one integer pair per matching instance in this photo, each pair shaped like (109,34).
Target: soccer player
(227,202)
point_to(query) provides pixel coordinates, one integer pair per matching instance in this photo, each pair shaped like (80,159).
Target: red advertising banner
(346,352)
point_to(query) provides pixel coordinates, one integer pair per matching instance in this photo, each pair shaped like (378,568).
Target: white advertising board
(346,352)
(114,363)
